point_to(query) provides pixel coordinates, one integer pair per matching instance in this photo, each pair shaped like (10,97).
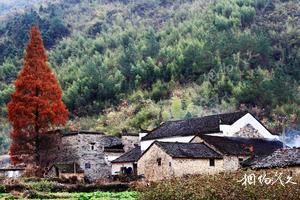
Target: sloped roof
(114,148)
(188,127)
(111,141)
(131,156)
(68,167)
(188,150)
(241,146)
(279,158)
(71,133)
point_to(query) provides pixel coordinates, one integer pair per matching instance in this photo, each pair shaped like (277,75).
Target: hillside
(132,64)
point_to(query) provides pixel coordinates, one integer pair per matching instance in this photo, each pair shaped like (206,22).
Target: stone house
(236,124)
(92,151)
(286,158)
(127,163)
(237,149)
(168,159)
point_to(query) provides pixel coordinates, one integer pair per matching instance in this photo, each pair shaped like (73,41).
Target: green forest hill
(132,64)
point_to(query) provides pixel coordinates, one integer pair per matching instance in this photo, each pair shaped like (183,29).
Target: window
(92,146)
(211,162)
(170,164)
(158,161)
(87,165)
(241,159)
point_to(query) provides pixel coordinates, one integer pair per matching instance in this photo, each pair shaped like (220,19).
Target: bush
(222,186)
(43,186)
(2,188)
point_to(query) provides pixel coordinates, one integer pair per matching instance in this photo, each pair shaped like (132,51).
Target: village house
(91,151)
(9,170)
(235,137)
(237,149)
(127,163)
(236,124)
(169,159)
(287,158)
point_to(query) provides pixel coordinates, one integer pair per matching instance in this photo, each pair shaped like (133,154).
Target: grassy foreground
(77,196)
(225,186)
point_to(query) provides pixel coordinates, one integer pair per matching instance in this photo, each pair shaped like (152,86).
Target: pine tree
(36,106)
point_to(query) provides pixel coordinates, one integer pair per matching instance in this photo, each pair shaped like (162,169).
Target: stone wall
(88,151)
(196,166)
(129,142)
(232,163)
(91,152)
(248,131)
(148,165)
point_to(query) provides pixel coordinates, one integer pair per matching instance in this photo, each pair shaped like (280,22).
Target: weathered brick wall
(248,131)
(196,166)
(129,142)
(231,163)
(100,167)
(78,148)
(69,149)
(148,166)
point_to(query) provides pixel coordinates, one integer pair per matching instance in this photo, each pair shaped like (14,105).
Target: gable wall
(77,148)
(230,130)
(147,164)
(129,142)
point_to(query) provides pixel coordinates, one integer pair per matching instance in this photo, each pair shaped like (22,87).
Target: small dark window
(211,162)
(241,159)
(87,165)
(159,161)
(92,146)
(170,164)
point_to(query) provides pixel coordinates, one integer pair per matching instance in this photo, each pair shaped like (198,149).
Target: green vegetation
(132,64)
(78,196)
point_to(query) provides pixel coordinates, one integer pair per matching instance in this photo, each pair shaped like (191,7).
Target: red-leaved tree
(36,106)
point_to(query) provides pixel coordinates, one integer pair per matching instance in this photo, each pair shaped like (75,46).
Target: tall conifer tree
(36,106)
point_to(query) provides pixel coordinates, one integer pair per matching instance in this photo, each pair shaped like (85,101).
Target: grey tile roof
(279,158)
(207,124)
(114,148)
(188,150)
(70,133)
(131,156)
(111,141)
(241,146)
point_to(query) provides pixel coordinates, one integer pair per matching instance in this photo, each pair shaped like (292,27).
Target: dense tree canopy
(158,60)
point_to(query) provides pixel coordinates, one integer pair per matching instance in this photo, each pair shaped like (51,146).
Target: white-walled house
(237,124)
(127,163)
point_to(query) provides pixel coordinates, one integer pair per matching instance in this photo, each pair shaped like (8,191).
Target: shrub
(222,186)
(2,188)
(43,186)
